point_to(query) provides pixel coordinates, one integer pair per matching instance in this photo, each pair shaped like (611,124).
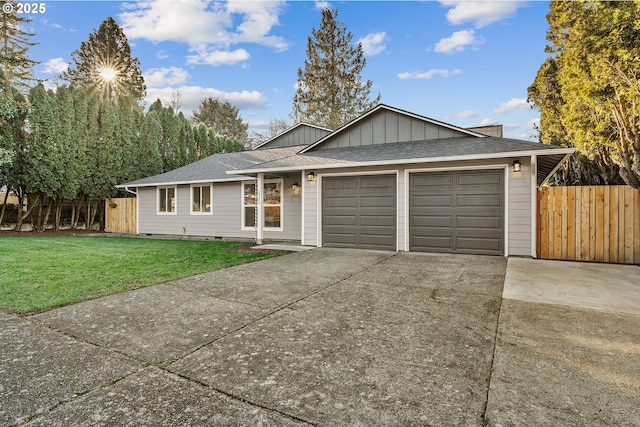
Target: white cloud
(488,122)
(55,66)
(458,42)
(480,13)
(467,114)
(192,96)
(156,77)
(322,5)
(219,57)
(203,25)
(514,104)
(428,74)
(373,44)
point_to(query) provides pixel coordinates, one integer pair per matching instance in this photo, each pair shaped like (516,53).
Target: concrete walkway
(324,337)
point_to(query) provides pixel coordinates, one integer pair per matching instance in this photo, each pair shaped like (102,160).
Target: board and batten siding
(518,199)
(225,222)
(385,127)
(302,135)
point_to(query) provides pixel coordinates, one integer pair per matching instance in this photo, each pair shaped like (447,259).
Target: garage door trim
(504,167)
(395,172)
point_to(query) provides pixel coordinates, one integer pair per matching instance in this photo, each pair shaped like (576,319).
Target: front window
(249,205)
(167,200)
(272,203)
(272,198)
(201,199)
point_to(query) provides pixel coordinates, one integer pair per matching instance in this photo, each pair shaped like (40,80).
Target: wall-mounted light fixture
(311,176)
(295,188)
(516,166)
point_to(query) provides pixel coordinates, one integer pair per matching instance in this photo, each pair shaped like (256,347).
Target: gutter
(351,164)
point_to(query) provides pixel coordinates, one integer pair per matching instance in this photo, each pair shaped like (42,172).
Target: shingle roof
(459,148)
(214,168)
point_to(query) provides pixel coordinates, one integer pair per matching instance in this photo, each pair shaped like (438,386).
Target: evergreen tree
(221,118)
(330,91)
(597,55)
(14,46)
(104,63)
(149,158)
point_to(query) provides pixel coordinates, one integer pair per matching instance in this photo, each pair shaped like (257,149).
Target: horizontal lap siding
(225,220)
(519,224)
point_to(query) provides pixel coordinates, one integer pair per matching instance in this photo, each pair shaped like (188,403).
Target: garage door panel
(433,201)
(377,182)
(367,220)
(388,222)
(435,243)
(432,221)
(342,184)
(484,180)
(384,202)
(341,220)
(479,200)
(479,222)
(465,217)
(341,202)
(436,180)
(477,245)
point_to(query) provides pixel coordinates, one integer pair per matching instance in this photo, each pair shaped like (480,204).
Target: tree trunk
(57,215)
(4,205)
(47,214)
(24,215)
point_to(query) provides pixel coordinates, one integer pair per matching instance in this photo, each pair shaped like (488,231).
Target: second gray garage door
(359,212)
(457,212)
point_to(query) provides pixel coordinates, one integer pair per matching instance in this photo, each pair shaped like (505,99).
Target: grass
(38,273)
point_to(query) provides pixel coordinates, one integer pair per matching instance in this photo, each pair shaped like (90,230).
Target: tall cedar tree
(104,63)
(14,45)
(597,55)
(546,94)
(330,91)
(222,119)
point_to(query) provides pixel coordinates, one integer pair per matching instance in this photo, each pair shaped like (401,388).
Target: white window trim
(191,198)
(175,193)
(242,205)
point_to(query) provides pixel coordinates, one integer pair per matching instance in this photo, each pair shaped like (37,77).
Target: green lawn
(37,273)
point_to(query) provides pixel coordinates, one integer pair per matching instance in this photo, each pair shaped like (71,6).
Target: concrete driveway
(323,337)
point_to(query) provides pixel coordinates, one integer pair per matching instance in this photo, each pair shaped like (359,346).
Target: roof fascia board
(567,151)
(395,110)
(199,181)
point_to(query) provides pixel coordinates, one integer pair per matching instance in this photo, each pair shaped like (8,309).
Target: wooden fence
(120,215)
(594,223)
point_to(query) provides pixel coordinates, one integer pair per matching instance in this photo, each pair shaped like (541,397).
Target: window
(167,200)
(201,199)
(272,203)
(249,205)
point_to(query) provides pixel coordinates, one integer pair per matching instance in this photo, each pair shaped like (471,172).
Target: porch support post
(534,206)
(303,186)
(259,209)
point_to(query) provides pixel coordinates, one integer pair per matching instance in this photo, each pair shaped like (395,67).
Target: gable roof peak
(395,110)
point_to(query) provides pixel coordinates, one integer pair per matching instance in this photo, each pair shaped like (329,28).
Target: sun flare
(108,74)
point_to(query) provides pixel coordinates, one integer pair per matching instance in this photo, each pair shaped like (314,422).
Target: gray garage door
(359,212)
(457,212)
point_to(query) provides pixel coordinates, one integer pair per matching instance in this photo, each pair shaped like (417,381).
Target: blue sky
(466,63)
